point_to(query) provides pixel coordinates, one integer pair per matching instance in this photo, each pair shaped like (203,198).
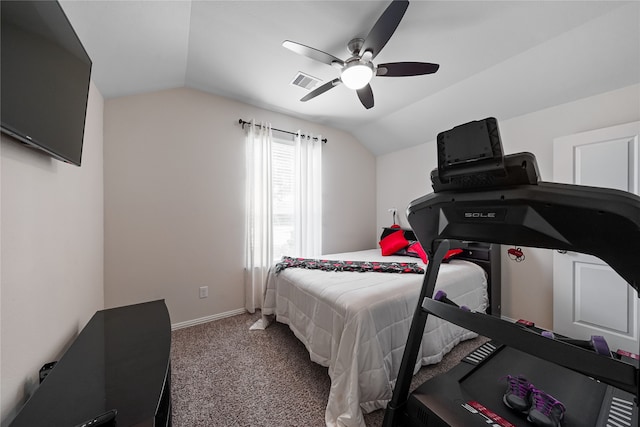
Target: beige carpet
(223,374)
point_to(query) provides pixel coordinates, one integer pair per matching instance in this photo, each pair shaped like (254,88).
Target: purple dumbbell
(597,343)
(442,297)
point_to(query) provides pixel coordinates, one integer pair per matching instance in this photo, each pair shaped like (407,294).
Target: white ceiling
(497,58)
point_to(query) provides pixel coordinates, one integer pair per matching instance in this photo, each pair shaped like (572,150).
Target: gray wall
(403,176)
(51,224)
(174,199)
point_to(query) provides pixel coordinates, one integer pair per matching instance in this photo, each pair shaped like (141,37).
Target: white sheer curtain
(308,195)
(259,254)
(259,214)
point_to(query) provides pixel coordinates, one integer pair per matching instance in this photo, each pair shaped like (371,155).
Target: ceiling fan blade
(312,53)
(322,89)
(384,28)
(366,96)
(403,69)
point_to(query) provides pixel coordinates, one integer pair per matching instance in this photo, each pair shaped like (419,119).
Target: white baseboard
(207,319)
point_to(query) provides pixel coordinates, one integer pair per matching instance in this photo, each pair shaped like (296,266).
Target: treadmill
(482,195)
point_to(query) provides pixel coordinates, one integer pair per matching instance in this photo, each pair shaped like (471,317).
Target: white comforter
(357,324)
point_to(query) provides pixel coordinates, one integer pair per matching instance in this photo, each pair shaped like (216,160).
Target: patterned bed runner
(358,266)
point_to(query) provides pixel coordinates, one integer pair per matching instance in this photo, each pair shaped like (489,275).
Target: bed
(356,323)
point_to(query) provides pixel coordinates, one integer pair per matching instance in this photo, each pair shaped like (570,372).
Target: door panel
(590,159)
(590,298)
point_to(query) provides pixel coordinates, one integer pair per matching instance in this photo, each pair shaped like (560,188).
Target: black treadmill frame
(596,221)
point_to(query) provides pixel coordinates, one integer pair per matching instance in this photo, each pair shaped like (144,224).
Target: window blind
(283,187)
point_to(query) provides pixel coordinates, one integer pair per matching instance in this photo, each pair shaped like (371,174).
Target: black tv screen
(45,74)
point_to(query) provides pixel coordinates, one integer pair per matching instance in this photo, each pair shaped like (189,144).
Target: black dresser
(121,361)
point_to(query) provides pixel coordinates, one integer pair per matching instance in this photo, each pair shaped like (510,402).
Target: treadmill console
(470,157)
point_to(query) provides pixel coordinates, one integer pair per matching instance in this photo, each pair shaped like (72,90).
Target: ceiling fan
(357,71)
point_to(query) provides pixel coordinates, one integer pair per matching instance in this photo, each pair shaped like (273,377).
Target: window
(283,187)
(283,204)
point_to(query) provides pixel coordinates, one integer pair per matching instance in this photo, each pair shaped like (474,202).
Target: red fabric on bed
(451,253)
(393,243)
(416,248)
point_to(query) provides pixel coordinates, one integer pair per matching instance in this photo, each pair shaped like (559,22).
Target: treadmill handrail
(591,220)
(608,370)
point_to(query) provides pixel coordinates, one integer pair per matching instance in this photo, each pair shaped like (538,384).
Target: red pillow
(417,249)
(393,243)
(451,253)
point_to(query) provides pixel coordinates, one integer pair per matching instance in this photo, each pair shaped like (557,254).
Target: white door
(589,298)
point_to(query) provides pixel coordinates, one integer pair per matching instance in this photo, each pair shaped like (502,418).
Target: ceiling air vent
(305,81)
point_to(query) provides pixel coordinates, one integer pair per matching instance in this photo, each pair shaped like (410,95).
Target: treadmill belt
(582,396)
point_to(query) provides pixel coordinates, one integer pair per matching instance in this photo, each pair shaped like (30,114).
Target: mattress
(357,324)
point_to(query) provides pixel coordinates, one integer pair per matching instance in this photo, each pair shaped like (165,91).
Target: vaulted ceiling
(497,58)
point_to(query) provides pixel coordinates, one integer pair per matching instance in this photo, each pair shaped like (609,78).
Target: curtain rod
(244,122)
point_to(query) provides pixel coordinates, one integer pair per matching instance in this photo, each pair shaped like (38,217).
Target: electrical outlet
(204,291)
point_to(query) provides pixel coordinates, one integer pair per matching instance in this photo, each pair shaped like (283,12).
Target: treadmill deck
(471,393)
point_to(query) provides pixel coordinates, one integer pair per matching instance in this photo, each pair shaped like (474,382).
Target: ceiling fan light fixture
(357,74)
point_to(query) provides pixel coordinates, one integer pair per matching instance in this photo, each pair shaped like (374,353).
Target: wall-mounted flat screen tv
(45,74)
